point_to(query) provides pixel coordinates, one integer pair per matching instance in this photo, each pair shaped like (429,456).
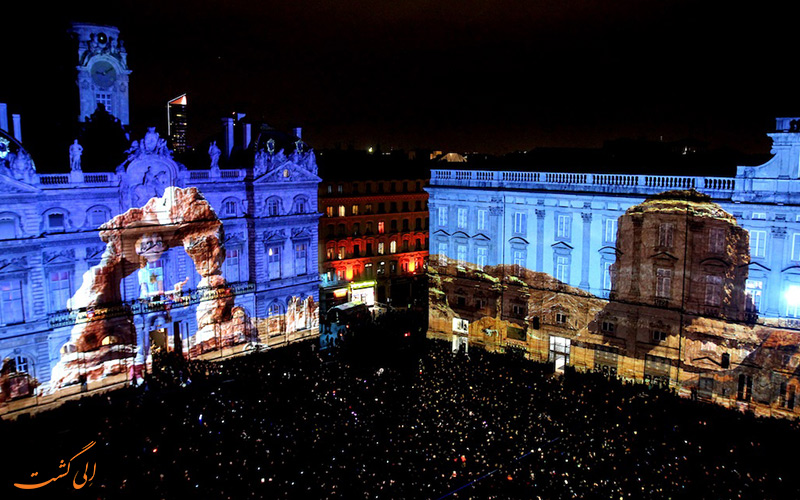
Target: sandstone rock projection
(106,343)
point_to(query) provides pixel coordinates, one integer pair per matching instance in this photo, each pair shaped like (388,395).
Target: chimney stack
(298,132)
(3,116)
(15,118)
(228,124)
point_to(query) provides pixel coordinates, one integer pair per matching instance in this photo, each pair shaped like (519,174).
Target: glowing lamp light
(349,274)
(792,295)
(342,292)
(411,266)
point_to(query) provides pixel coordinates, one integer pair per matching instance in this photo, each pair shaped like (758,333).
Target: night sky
(452,75)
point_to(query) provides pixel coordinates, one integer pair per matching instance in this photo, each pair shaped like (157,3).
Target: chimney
(15,118)
(3,116)
(298,132)
(228,124)
(245,135)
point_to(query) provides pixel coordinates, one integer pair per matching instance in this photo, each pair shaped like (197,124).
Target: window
(713,290)
(329,210)
(759,216)
(482,254)
(608,326)
(716,240)
(368,208)
(11,310)
(658,335)
(562,268)
(481,220)
(229,207)
(342,252)
(274,262)
(232,265)
(393,225)
(462,218)
(796,247)
(381,227)
(745,387)
(8,228)
(59,290)
(300,258)
(21,364)
(561,318)
(758,243)
(665,235)
(608,271)
(105,99)
(610,235)
(442,251)
(97,216)
(563,227)
(380,248)
(442,211)
(354,209)
(519,310)
(273,207)
(519,223)
(392,246)
(663,283)
(339,188)
(793,301)
(519,260)
(341,210)
(461,255)
(55,221)
(753,290)
(300,205)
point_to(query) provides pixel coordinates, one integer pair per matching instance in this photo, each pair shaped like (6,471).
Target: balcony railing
(718,187)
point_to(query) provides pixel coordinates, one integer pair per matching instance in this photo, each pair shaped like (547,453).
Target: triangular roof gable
(287,172)
(11,186)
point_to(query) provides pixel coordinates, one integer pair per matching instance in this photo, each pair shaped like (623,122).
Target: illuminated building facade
(578,269)
(373,231)
(99,269)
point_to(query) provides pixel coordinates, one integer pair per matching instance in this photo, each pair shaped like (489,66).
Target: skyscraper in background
(177,123)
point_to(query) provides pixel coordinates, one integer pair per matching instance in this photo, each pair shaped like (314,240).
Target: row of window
(355,249)
(378,208)
(354,229)
(372,271)
(375,187)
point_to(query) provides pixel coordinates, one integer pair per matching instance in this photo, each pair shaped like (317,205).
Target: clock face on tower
(103,74)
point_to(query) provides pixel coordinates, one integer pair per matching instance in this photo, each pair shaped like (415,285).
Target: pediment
(460,234)
(714,262)
(757,266)
(562,245)
(482,237)
(663,256)
(609,250)
(791,270)
(287,172)
(11,186)
(442,232)
(518,240)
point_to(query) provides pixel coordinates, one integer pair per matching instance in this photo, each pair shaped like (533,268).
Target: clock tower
(102,71)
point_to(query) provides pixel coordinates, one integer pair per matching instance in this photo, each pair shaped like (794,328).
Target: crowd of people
(420,422)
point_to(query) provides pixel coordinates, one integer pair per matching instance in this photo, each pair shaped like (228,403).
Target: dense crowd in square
(384,415)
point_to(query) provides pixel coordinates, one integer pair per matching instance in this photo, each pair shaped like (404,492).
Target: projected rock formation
(106,342)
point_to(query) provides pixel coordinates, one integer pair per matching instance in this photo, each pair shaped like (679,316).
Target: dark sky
(453,75)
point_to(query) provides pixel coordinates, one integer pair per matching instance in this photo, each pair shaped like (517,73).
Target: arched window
(301,205)
(55,220)
(273,206)
(229,207)
(97,216)
(21,364)
(275,309)
(9,226)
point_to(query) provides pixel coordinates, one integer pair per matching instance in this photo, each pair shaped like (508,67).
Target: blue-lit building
(565,224)
(51,251)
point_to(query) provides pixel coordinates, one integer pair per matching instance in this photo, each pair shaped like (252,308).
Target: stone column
(773,294)
(540,214)
(587,239)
